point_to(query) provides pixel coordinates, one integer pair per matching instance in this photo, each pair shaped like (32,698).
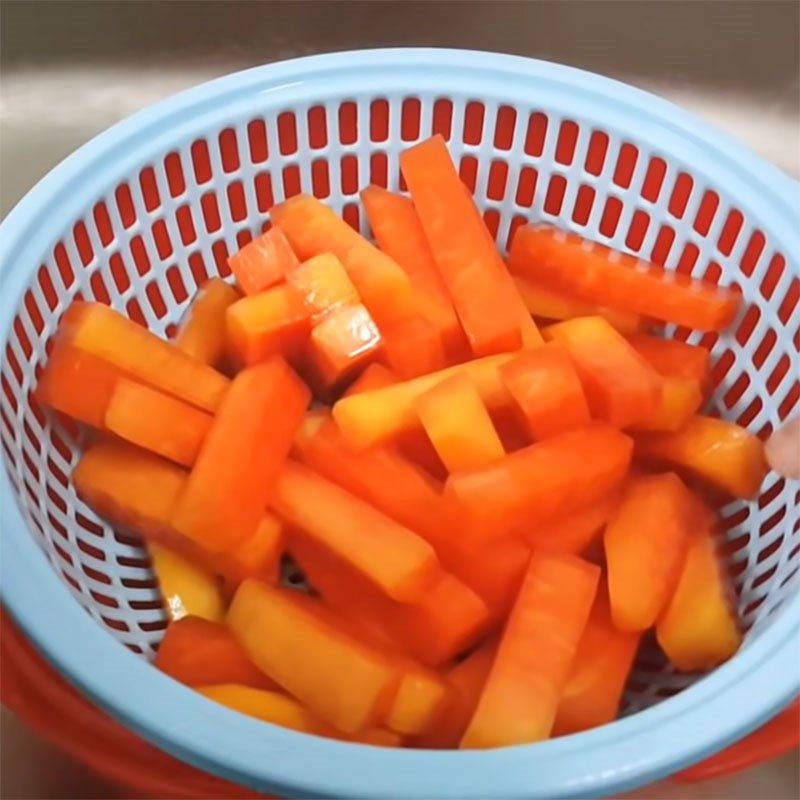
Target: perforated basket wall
(154,233)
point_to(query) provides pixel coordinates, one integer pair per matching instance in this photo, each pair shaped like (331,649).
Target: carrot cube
(399,234)
(77,384)
(374,376)
(202,332)
(378,415)
(324,284)
(275,322)
(395,559)
(491,311)
(197,652)
(620,386)
(264,262)
(101,332)
(520,699)
(155,421)
(547,391)
(699,629)
(458,424)
(234,474)
(645,545)
(342,680)
(552,305)
(594,273)
(548,477)
(598,673)
(720,453)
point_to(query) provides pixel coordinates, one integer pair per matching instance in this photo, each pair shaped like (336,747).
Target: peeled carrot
(679,401)
(398,231)
(548,477)
(378,415)
(251,436)
(187,589)
(374,376)
(552,305)
(520,699)
(546,390)
(458,424)
(77,384)
(598,673)
(340,344)
(342,680)
(101,332)
(395,559)
(155,421)
(324,284)
(275,322)
(594,273)
(258,556)
(202,332)
(647,536)
(720,453)
(412,347)
(672,357)
(197,652)
(491,311)
(699,629)
(620,386)
(262,263)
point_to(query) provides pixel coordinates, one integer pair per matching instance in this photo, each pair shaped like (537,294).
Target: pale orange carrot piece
(374,376)
(324,284)
(673,357)
(202,332)
(264,262)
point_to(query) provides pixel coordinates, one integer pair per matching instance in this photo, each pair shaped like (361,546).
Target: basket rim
(734,699)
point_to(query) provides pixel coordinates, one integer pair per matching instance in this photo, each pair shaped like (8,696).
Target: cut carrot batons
(699,628)
(412,347)
(187,588)
(673,357)
(465,683)
(598,673)
(491,311)
(258,556)
(552,305)
(251,436)
(312,229)
(202,332)
(620,386)
(447,620)
(128,486)
(77,384)
(264,262)
(546,389)
(197,652)
(378,415)
(395,559)
(155,421)
(102,332)
(459,426)
(720,453)
(420,697)
(594,273)
(680,400)
(324,285)
(520,699)
(342,680)
(398,231)
(647,535)
(341,344)
(548,477)
(374,376)
(279,709)
(275,322)
(573,531)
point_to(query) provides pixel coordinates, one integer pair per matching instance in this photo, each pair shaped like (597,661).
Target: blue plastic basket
(140,215)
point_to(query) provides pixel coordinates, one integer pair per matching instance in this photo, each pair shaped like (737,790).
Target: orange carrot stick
(155,421)
(720,453)
(412,347)
(672,357)
(547,391)
(234,474)
(648,535)
(485,297)
(594,273)
(258,556)
(374,376)
(324,284)
(262,263)
(520,699)
(398,231)
(202,332)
